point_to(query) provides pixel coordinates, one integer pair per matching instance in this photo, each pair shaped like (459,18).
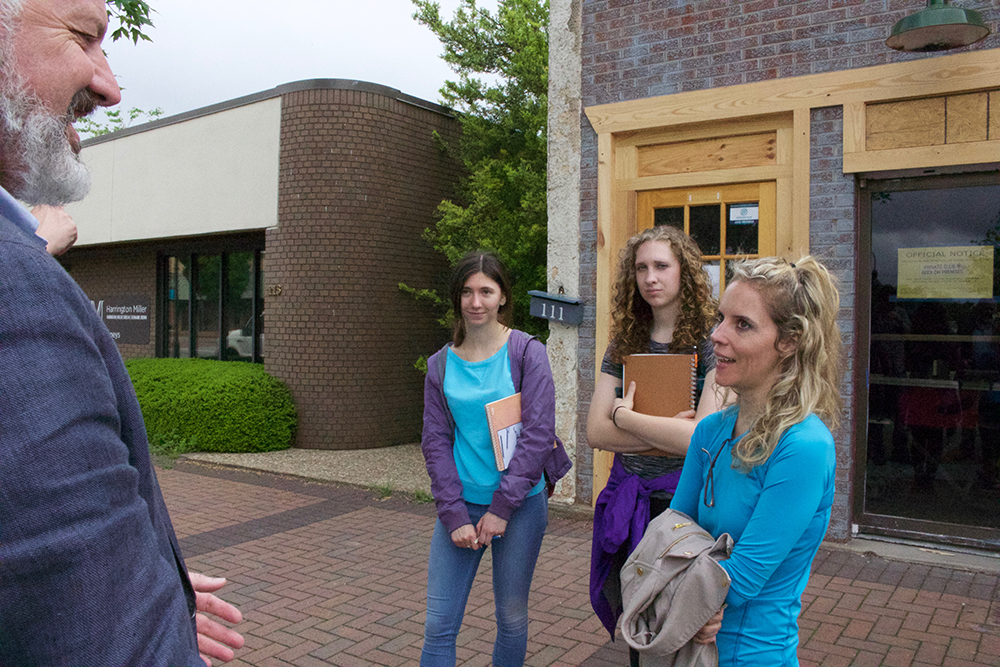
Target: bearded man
(90,569)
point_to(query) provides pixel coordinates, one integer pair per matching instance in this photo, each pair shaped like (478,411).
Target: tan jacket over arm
(672,585)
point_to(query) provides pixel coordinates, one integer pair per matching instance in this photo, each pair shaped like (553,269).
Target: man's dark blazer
(90,571)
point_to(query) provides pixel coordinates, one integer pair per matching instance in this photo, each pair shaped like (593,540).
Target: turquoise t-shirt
(468,387)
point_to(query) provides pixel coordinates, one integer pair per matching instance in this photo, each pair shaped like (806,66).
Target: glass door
(212,305)
(930,394)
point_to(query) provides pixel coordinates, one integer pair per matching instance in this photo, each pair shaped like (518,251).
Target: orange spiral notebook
(665,384)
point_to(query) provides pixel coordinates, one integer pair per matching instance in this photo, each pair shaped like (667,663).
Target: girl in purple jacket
(477,505)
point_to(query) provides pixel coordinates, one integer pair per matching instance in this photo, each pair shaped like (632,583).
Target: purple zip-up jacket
(534,455)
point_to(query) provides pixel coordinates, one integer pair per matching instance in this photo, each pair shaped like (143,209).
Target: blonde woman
(763,469)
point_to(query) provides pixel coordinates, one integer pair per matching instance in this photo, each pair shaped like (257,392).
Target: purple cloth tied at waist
(621,515)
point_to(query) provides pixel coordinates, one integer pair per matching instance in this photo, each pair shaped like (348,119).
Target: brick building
(302,206)
(794,128)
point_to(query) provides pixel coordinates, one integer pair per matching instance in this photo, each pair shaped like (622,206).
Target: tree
(502,94)
(114,121)
(132,16)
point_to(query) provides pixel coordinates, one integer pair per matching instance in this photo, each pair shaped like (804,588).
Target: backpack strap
(524,355)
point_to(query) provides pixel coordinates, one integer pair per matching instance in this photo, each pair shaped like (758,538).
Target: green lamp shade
(938,27)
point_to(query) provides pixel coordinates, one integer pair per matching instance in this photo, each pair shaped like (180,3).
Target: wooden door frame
(764,192)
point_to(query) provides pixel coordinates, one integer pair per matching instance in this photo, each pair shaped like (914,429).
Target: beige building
(302,207)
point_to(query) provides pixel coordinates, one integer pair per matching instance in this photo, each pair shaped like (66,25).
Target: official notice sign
(956,272)
(127,318)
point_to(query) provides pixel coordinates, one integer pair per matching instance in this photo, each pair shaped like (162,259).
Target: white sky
(209,51)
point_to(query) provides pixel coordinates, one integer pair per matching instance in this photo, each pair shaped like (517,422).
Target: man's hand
(214,639)
(55,227)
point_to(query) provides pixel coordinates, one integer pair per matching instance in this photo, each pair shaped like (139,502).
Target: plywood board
(754,150)
(968,118)
(923,157)
(693,131)
(905,124)
(798,187)
(854,127)
(994,131)
(697,179)
(941,75)
(766,236)
(605,265)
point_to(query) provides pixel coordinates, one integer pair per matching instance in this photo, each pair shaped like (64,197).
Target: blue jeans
(449,579)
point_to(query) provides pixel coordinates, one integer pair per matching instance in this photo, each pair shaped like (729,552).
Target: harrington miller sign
(127,318)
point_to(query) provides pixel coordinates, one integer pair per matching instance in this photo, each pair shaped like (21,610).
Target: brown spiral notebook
(665,384)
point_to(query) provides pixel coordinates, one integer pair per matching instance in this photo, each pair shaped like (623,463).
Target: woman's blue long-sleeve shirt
(777,513)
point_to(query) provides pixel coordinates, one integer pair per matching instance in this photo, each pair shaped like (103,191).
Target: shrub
(213,406)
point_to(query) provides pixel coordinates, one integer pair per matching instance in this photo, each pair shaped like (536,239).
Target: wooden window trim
(927,77)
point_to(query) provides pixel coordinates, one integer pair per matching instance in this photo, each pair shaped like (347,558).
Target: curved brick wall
(360,179)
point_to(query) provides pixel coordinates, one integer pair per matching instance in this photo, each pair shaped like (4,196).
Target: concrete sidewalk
(328,574)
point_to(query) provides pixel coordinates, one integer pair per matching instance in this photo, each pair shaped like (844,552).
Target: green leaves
(502,91)
(132,16)
(115,120)
(214,406)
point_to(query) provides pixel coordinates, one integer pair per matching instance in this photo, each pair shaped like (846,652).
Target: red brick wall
(124,270)
(360,178)
(636,49)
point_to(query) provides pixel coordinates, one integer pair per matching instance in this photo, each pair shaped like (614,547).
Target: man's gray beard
(40,165)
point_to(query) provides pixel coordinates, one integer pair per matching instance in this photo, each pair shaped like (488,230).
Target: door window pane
(705,228)
(178,333)
(239,307)
(714,273)
(741,228)
(669,216)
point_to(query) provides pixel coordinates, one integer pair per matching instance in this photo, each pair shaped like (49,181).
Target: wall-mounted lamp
(938,27)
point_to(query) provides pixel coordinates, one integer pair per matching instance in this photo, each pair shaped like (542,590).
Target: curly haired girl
(662,304)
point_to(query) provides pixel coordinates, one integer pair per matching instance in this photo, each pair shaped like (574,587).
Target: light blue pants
(450,573)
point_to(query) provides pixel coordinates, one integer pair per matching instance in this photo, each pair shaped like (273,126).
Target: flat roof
(278,91)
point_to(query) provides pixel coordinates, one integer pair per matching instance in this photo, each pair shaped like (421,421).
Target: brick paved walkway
(331,575)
